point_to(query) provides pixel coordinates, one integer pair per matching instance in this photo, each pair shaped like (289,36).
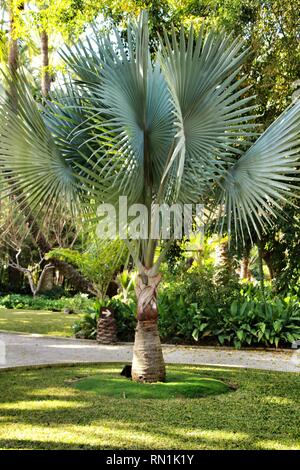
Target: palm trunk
(245,271)
(13,55)
(261,268)
(46,77)
(148,362)
(13,51)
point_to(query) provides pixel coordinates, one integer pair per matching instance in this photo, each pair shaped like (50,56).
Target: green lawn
(49,409)
(37,321)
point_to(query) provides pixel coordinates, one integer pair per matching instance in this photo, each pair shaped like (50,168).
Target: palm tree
(175,128)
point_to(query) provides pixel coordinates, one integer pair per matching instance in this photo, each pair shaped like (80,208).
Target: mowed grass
(180,385)
(46,409)
(37,321)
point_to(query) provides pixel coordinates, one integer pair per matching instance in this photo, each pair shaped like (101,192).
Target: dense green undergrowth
(241,319)
(78,302)
(194,307)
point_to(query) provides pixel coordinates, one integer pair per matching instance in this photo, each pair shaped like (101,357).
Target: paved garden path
(17,349)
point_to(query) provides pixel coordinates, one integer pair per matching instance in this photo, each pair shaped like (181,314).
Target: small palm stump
(106,327)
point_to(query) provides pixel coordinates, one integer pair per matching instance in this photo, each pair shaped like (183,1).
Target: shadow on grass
(43,409)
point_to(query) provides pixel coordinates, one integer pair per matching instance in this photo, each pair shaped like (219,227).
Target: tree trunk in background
(261,268)
(15,277)
(224,258)
(245,273)
(225,265)
(13,53)
(267,257)
(148,362)
(46,76)
(47,281)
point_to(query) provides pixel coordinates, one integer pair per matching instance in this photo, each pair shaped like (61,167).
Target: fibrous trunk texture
(106,327)
(148,362)
(245,272)
(13,51)
(224,258)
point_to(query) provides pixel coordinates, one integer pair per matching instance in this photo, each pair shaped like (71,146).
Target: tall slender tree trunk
(13,51)
(245,274)
(15,278)
(261,268)
(245,263)
(148,362)
(46,76)
(224,259)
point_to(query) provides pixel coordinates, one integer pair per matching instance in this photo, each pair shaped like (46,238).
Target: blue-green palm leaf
(263,180)
(130,111)
(33,167)
(175,128)
(213,118)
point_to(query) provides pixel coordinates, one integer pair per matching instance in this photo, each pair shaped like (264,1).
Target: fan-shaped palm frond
(262,181)
(169,129)
(142,107)
(130,113)
(31,163)
(212,119)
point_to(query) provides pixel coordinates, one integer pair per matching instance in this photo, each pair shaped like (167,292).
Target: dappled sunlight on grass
(40,405)
(211,435)
(278,400)
(115,433)
(42,409)
(275,445)
(53,392)
(109,436)
(37,321)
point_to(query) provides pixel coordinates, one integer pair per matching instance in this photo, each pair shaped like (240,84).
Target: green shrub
(247,322)
(124,315)
(191,307)
(181,298)
(202,305)
(79,302)
(176,316)
(86,328)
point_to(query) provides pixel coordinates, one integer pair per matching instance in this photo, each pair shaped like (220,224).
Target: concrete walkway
(17,349)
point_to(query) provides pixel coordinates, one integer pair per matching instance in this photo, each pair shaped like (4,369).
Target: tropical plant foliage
(170,129)
(98,264)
